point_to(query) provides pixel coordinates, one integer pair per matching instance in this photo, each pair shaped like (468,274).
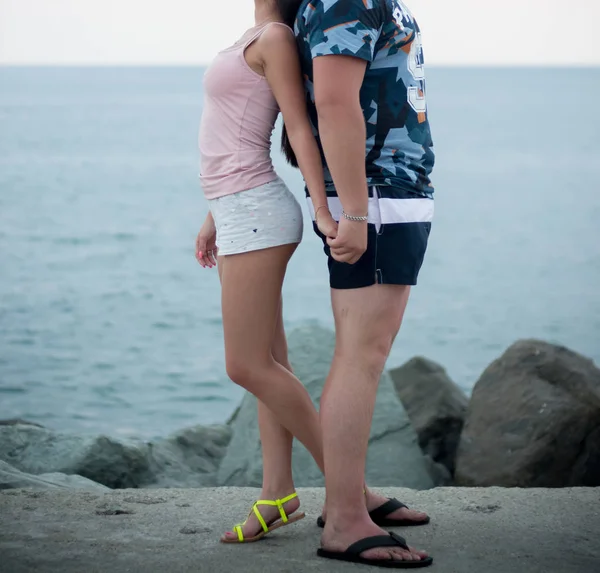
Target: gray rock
(533,421)
(12,478)
(435,405)
(439,473)
(113,463)
(188,458)
(16,421)
(394,455)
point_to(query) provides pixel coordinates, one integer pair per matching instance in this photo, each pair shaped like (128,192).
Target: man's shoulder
(343,9)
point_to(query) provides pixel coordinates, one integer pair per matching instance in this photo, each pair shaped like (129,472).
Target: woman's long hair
(288,10)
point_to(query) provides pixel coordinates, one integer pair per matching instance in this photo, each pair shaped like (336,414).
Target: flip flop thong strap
(388,507)
(391,540)
(240,534)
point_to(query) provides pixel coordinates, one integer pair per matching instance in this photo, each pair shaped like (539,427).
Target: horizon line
(562,65)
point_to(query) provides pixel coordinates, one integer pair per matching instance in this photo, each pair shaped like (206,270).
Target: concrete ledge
(473,530)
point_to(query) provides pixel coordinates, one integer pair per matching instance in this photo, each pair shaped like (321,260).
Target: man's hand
(350,243)
(206,244)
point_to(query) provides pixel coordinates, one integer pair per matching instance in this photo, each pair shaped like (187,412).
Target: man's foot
(402,514)
(339,540)
(270,513)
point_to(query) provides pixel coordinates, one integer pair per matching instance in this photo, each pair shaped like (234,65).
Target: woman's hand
(326,223)
(206,244)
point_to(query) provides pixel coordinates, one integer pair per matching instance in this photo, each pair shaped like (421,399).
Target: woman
(255,225)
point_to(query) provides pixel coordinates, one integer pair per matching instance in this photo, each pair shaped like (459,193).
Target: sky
(122,32)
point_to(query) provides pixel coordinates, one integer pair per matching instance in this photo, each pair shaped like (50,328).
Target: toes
(381,554)
(419,553)
(387,554)
(404,555)
(412,514)
(229,535)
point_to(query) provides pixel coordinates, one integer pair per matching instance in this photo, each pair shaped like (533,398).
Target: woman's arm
(206,246)
(281,66)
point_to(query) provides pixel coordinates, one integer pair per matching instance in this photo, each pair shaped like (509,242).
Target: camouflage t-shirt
(399,149)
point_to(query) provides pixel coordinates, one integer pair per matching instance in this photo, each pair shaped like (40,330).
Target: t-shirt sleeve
(344,27)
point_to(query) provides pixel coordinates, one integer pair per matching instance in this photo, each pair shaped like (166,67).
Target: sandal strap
(278,503)
(262,522)
(391,540)
(388,507)
(273,503)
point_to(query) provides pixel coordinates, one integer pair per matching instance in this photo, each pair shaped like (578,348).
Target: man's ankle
(349,513)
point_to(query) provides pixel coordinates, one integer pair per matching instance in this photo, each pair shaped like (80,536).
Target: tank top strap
(284,25)
(261,30)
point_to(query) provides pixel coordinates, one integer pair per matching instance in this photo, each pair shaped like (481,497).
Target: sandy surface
(473,530)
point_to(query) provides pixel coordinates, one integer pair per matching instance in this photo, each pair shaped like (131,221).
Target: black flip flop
(352,554)
(379,516)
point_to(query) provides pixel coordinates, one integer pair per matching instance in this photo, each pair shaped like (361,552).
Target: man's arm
(342,41)
(337,81)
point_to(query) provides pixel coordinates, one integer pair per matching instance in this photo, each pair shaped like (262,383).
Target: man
(365,82)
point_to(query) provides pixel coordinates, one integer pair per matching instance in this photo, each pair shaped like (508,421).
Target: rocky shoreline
(533,420)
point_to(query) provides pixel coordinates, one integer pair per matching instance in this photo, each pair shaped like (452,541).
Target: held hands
(206,244)
(326,223)
(350,243)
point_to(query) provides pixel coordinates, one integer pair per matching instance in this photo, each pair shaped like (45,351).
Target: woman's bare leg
(276,449)
(276,440)
(254,340)
(251,294)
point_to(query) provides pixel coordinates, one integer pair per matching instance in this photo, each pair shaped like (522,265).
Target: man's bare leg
(367,321)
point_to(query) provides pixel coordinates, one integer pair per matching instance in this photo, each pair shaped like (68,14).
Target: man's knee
(369,344)
(376,348)
(368,349)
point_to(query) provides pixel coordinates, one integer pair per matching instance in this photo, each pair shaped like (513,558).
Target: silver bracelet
(353,217)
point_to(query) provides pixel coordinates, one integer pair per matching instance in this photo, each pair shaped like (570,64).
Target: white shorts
(261,218)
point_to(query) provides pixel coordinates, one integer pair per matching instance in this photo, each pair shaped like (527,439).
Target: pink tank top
(237,122)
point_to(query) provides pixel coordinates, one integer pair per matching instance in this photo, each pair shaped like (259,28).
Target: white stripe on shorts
(387,211)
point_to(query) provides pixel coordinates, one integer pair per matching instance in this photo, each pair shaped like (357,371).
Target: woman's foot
(270,514)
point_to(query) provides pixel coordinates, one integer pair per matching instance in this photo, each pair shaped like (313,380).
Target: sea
(109,325)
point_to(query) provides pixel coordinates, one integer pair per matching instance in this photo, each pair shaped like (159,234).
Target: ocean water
(107,323)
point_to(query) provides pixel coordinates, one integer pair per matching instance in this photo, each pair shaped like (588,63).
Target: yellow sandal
(285,520)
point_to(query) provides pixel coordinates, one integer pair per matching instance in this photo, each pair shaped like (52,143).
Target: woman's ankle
(277,491)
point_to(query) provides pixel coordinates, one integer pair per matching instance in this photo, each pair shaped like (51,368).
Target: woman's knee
(238,371)
(279,351)
(245,373)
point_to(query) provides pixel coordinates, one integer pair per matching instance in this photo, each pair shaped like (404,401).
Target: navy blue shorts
(398,231)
